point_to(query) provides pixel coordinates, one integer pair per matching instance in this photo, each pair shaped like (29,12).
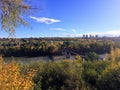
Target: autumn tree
(11,14)
(11,77)
(110,78)
(51,50)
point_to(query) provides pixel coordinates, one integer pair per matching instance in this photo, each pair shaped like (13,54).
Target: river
(26,60)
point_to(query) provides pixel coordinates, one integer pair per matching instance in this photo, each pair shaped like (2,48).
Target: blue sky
(71,18)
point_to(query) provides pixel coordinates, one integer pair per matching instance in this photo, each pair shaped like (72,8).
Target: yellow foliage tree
(11,14)
(114,54)
(12,79)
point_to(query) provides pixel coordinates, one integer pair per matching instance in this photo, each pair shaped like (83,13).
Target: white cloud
(71,35)
(110,33)
(58,29)
(45,20)
(74,35)
(74,30)
(113,33)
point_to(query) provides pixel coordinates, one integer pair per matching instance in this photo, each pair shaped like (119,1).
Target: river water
(35,59)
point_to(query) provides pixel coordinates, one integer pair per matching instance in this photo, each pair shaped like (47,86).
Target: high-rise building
(86,36)
(83,36)
(96,36)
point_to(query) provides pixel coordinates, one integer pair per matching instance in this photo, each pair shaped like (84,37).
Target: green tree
(51,50)
(110,78)
(92,70)
(64,75)
(91,56)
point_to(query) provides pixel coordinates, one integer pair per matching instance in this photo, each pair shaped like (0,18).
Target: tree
(51,50)
(91,56)
(110,78)
(11,14)
(11,77)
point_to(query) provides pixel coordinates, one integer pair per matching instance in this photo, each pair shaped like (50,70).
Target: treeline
(46,46)
(63,75)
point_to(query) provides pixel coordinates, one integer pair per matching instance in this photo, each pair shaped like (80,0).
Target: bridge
(68,53)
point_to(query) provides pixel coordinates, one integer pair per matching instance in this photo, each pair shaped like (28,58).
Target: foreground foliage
(59,76)
(62,75)
(12,79)
(110,78)
(11,12)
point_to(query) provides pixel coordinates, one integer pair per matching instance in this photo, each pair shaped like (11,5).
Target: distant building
(90,36)
(93,37)
(83,36)
(96,36)
(86,36)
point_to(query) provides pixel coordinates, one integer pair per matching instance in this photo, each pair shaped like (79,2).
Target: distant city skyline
(71,18)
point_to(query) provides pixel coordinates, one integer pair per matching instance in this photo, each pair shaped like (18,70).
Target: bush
(12,79)
(92,70)
(59,76)
(110,78)
(91,56)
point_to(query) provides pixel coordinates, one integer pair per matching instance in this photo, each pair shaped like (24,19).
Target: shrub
(12,79)
(110,78)
(92,70)
(91,56)
(59,76)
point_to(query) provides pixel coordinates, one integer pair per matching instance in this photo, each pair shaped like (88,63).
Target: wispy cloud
(110,33)
(113,32)
(58,29)
(74,35)
(45,20)
(74,30)
(70,35)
